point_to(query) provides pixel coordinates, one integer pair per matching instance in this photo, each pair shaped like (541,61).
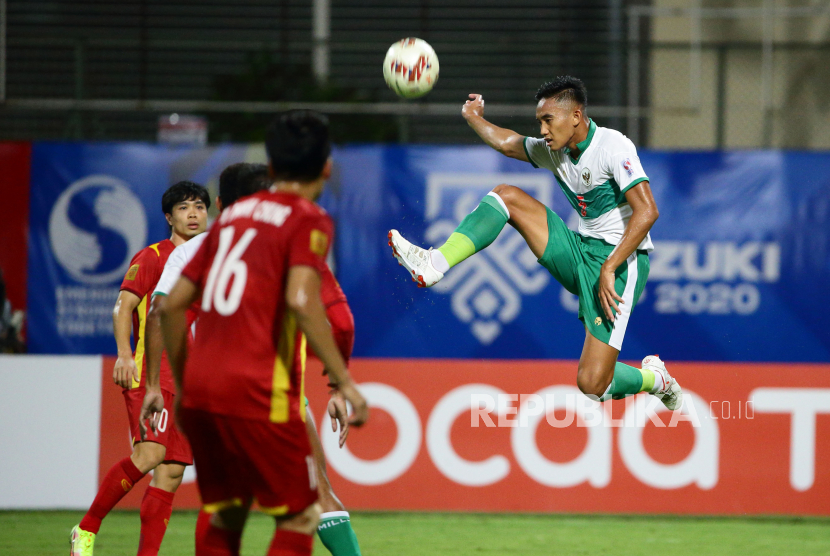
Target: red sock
(119,480)
(213,541)
(156,507)
(291,543)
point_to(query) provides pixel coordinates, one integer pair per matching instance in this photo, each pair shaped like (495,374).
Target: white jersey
(176,262)
(595,183)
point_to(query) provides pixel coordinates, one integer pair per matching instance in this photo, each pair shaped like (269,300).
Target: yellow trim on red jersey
(283,363)
(155,247)
(223,505)
(279,510)
(139,346)
(303,356)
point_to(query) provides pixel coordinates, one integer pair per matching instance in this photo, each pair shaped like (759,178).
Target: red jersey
(145,271)
(243,360)
(338,314)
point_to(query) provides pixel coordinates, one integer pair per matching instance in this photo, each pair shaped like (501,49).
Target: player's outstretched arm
(644,215)
(506,141)
(174,325)
(302,295)
(125,370)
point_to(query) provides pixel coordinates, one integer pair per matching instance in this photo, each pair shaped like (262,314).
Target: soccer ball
(410,68)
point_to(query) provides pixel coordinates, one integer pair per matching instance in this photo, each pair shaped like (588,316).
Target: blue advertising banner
(93,206)
(742,250)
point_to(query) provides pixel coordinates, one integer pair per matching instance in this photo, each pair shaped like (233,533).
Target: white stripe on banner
(621,321)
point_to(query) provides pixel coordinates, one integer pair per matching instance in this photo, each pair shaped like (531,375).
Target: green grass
(410,534)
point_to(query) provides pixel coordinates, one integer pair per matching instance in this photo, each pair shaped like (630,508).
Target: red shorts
(168,435)
(238,460)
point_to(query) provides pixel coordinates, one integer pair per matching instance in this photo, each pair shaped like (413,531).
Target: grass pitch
(411,534)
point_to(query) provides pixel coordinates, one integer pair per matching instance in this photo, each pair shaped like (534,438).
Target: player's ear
(218,203)
(326,173)
(169,218)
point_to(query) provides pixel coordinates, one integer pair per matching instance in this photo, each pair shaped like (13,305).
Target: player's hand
(151,409)
(360,410)
(339,414)
(125,371)
(473,107)
(607,294)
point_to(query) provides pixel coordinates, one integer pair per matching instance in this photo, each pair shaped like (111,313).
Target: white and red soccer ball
(410,68)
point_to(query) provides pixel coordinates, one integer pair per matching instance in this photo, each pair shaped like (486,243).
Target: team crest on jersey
(586,177)
(319,242)
(132,272)
(598,321)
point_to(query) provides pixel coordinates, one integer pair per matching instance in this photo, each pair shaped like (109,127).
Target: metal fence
(667,77)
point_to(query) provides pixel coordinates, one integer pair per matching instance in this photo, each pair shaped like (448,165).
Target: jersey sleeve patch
(131,273)
(319,242)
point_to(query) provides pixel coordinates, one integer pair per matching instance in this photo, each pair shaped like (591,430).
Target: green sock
(335,530)
(478,230)
(627,382)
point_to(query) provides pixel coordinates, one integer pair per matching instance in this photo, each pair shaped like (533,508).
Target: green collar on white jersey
(582,145)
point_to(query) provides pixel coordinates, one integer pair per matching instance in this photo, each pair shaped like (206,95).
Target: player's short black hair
(298,145)
(564,88)
(240,180)
(183,191)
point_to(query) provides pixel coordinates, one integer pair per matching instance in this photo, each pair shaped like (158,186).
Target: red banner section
(15,160)
(518,436)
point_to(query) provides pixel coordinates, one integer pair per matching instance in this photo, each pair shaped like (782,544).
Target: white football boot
(417,261)
(671,395)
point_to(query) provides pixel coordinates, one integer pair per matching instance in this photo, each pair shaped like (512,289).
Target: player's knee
(592,383)
(168,476)
(510,194)
(148,455)
(328,500)
(304,522)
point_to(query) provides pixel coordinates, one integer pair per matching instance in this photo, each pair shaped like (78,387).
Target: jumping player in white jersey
(604,263)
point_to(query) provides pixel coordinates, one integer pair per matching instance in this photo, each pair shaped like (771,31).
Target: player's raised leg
(505,204)
(601,377)
(335,528)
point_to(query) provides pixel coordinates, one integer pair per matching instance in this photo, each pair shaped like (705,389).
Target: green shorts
(575,262)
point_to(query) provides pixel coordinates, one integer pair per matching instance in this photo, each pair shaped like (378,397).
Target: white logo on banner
(486,289)
(86,310)
(117,209)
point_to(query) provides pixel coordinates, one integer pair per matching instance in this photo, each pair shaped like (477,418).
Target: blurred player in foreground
(605,263)
(238,181)
(185,206)
(242,401)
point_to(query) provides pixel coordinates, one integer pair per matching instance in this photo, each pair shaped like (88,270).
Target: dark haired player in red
(242,407)
(185,206)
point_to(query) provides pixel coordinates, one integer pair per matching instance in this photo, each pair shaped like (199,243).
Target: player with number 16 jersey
(242,362)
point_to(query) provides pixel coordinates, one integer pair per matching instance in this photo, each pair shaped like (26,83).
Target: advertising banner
(501,435)
(742,251)
(751,439)
(93,206)
(742,248)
